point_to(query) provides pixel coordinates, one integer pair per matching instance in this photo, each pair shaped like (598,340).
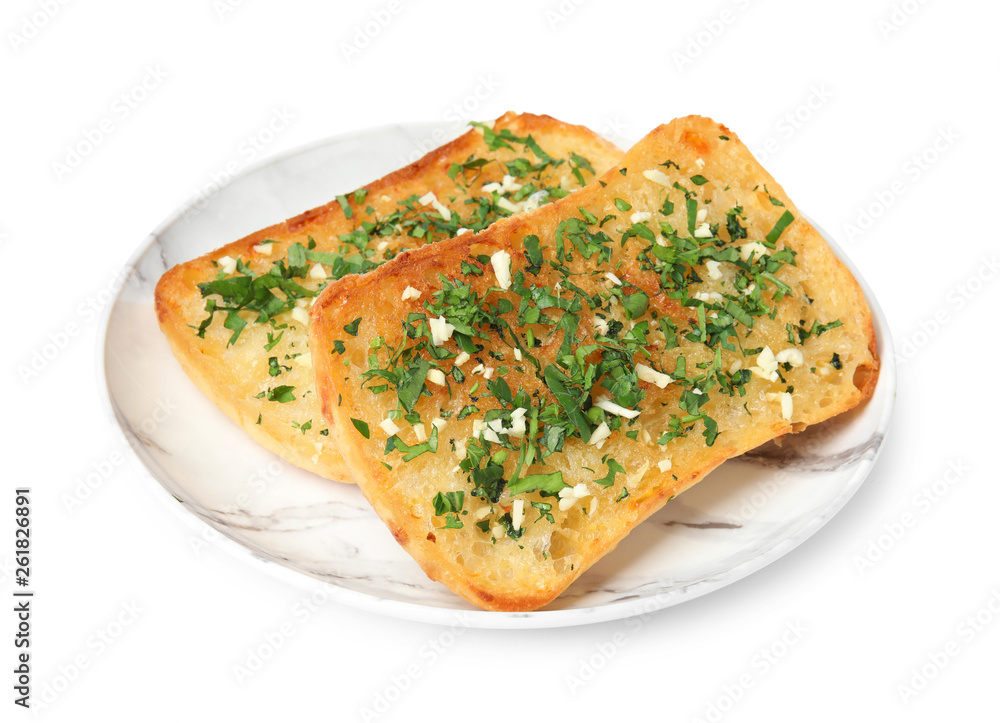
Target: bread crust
(531,572)
(233,376)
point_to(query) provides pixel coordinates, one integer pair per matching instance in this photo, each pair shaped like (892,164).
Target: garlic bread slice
(237,318)
(563,374)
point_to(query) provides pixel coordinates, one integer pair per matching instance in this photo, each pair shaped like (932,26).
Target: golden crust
(528,573)
(234,376)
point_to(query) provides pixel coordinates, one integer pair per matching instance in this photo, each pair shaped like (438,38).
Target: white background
(902,126)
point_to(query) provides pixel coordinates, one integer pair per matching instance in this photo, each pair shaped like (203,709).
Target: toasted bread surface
(256,366)
(674,315)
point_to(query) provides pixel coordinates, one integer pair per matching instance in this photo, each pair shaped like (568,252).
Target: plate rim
(470,618)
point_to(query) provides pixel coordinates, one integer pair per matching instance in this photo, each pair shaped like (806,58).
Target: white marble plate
(746,514)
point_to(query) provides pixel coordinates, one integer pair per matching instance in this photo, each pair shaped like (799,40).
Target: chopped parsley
(614,469)
(352,328)
(449,505)
(782,223)
(448,502)
(274,368)
(272,340)
(281,394)
(362,427)
(576,337)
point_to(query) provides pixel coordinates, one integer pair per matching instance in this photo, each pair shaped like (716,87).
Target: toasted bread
(260,373)
(579,314)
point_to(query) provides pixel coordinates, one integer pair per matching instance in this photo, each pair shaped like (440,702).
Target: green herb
(544,510)
(352,328)
(297,255)
(613,469)
(549,484)
(472,164)
(281,394)
(235,324)
(272,340)
(451,522)
(361,427)
(579,164)
(669,330)
(816,329)
(252,293)
(342,200)
(467,410)
(635,304)
(557,383)
(411,383)
(414,451)
(508,526)
(488,482)
(533,253)
(448,502)
(737,231)
(699,180)
(692,213)
(775,233)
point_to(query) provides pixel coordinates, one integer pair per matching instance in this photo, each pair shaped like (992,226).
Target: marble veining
(776,457)
(704,525)
(722,529)
(136,436)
